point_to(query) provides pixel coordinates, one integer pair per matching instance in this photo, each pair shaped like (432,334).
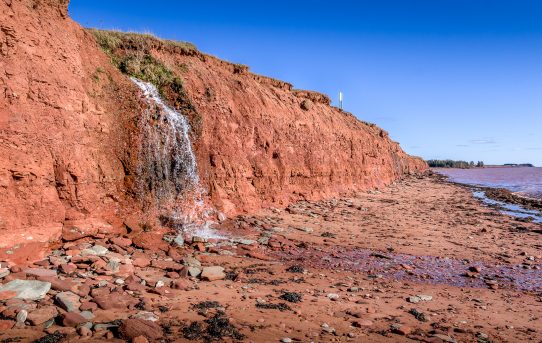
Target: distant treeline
(518,165)
(454,164)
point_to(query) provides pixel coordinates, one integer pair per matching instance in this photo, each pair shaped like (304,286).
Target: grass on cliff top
(131,53)
(112,40)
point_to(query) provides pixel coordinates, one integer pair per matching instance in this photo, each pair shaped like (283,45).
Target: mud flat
(420,260)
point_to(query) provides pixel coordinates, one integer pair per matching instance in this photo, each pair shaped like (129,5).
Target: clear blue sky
(458,79)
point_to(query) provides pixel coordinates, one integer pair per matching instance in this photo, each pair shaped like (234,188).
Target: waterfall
(167,166)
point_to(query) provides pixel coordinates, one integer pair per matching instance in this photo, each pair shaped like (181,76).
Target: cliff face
(69,133)
(64,118)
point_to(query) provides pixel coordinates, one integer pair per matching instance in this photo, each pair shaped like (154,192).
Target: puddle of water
(424,269)
(509,209)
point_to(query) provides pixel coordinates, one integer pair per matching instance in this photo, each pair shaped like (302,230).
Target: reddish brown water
(525,181)
(424,269)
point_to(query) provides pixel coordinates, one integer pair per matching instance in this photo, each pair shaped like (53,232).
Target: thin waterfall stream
(168,168)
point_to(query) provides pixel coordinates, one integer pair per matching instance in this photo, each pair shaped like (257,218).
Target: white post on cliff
(341,100)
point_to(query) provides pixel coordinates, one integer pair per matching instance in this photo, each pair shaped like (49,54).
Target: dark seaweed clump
(295,269)
(292,297)
(212,329)
(51,338)
(280,307)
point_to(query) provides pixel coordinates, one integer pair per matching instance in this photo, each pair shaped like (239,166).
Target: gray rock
(97,250)
(27,289)
(88,315)
(145,316)
(193,271)
(68,301)
(286,340)
(333,296)
(179,240)
(191,262)
(21,316)
(4,272)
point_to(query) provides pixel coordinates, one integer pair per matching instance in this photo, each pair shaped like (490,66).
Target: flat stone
(73,319)
(213,273)
(132,328)
(68,301)
(145,315)
(42,315)
(25,289)
(96,250)
(121,241)
(40,272)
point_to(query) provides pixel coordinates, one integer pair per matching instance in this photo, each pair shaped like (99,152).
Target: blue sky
(459,79)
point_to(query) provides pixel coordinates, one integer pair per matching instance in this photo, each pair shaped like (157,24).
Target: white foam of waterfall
(168,167)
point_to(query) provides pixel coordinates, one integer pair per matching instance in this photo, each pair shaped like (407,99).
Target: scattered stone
(401,329)
(475,269)
(414,299)
(333,296)
(445,338)
(73,319)
(21,316)
(83,331)
(213,273)
(328,329)
(362,323)
(68,301)
(132,328)
(286,340)
(96,250)
(40,272)
(4,272)
(193,271)
(145,315)
(24,289)
(178,240)
(42,315)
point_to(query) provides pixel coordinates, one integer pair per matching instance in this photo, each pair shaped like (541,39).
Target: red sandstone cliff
(68,139)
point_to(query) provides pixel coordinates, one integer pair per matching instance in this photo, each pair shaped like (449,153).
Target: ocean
(523,181)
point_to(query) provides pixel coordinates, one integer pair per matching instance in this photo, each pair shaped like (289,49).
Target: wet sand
(344,270)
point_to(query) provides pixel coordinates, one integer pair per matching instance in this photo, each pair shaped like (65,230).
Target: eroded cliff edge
(69,133)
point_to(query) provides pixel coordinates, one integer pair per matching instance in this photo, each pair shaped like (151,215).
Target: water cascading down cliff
(168,169)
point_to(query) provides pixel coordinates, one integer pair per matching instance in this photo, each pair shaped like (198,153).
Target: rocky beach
(150,192)
(419,260)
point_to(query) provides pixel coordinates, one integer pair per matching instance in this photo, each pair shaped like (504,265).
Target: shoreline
(421,259)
